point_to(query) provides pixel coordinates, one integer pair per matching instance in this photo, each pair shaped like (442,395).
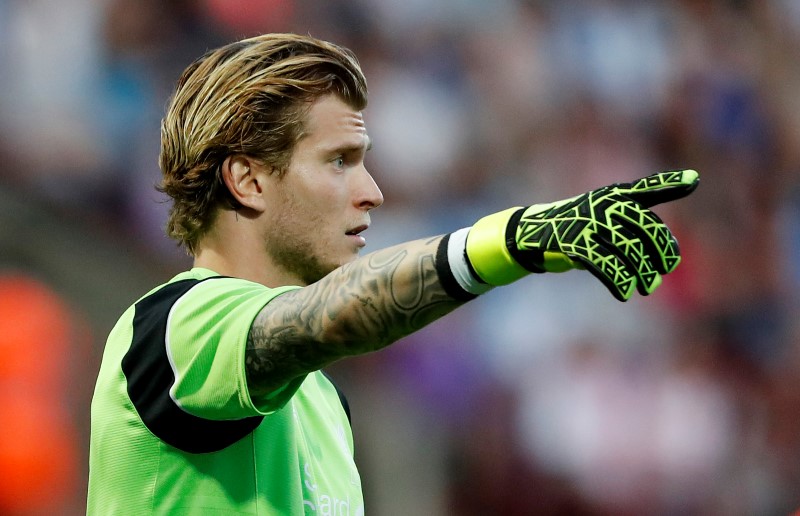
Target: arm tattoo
(360,307)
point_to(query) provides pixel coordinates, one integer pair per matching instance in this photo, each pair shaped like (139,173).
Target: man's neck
(237,251)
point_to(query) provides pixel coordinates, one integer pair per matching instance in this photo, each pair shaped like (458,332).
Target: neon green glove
(609,231)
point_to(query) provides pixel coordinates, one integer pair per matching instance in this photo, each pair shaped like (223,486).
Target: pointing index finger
(661,187)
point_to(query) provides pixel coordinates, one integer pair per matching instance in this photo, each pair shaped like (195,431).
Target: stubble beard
(299,260)
(290,247)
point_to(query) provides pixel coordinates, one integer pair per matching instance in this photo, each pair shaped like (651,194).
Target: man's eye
(339,162)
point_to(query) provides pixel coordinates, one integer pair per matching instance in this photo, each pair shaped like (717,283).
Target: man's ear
(245,184)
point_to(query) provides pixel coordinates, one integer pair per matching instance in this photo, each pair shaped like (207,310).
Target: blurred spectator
(40,352)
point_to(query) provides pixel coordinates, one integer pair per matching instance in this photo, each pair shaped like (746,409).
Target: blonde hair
(249,97)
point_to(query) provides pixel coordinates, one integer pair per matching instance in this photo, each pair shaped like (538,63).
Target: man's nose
(369,195)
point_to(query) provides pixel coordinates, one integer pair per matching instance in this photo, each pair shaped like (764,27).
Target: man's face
(320,205)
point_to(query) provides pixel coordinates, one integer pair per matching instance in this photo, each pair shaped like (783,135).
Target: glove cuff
(455,272)
(488,252)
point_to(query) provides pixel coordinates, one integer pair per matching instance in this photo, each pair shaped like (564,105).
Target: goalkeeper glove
(609,231)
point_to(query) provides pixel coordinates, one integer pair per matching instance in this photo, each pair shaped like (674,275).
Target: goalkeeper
(210,398)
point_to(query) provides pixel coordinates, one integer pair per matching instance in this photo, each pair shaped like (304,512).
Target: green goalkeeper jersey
(175,430)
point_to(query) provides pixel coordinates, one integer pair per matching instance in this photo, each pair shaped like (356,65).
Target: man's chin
(313,276)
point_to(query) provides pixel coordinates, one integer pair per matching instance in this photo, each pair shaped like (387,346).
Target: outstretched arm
(386,295)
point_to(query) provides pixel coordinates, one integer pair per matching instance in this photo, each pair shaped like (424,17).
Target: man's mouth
(355,233)
(356,230)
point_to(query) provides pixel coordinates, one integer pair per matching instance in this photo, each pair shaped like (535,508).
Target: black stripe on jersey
(150,376)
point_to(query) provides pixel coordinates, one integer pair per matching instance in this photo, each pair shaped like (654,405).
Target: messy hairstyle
(251,98)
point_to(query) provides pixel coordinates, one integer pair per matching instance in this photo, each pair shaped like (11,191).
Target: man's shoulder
(184,281)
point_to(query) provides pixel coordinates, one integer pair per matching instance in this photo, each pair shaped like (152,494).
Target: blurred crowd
(548,396)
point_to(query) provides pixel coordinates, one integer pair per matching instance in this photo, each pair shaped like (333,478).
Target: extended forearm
(360,307)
